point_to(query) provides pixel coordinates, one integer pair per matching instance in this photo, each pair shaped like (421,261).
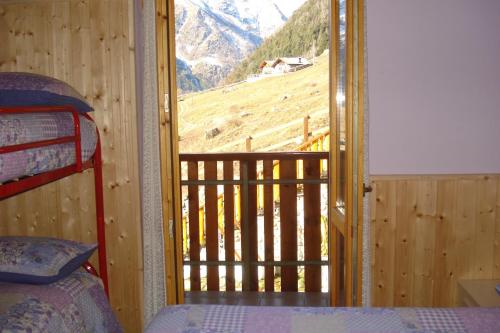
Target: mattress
(74,304)
(25,128)
(230,318)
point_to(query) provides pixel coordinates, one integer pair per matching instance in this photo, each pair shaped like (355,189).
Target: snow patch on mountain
(213,36)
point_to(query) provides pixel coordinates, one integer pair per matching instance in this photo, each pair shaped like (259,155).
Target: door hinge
(171,228)
(367,189)
(166,108)
(167,103)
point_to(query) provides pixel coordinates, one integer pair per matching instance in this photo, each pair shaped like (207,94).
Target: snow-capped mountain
(212,36)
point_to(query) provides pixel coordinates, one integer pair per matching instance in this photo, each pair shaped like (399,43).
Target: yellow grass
(270,110)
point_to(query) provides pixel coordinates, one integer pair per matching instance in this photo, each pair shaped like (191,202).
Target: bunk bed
(41,143)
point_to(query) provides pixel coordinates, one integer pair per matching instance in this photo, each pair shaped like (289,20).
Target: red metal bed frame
(14,187)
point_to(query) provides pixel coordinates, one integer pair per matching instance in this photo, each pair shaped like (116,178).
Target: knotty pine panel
(427,232)
(89,44)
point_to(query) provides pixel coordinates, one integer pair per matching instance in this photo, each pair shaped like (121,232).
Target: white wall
(434,86)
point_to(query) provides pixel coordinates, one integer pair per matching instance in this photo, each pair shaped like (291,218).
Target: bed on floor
(261,319)
(47,284)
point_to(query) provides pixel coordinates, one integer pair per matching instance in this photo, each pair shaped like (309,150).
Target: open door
(346,155)
(169,147)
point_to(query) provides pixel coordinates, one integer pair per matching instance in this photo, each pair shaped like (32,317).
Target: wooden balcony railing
(245,195)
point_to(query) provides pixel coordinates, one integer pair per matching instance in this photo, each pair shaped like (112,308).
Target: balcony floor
(257,298)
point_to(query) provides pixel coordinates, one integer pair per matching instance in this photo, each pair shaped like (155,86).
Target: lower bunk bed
(74,304)
(262,319)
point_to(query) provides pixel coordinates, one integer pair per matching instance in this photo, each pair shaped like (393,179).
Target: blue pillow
(40,260)
(27,89)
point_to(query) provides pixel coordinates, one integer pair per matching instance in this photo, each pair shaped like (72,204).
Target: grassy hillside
(305,34)
(270,110)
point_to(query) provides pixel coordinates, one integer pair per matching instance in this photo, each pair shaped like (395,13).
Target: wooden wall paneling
(406,206)
(98,92)
(37,32)
(124,183)
(60,34)
(87,207)
(124,130)
(465,228)
(22,40)
(484,236)
(374,247)
(383,239)
(79,44)
(12,211)
(496,272)
(49,50)
(446,229)
(99,35)
(88,44)
(424,242)
(69,188)
(46,217)
(80,76)
(444,277)
(6,53)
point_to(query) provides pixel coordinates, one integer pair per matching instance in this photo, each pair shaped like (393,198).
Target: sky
(288,6)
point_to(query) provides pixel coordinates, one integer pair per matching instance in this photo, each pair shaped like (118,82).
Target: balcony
(255,228)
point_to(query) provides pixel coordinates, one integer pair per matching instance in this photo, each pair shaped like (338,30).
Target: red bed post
(99,206)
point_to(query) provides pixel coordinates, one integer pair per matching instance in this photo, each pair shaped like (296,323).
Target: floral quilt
(74,304)
(25,128)
(261,319)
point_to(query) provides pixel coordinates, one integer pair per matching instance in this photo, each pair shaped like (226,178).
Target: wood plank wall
(90,44)
(429,231)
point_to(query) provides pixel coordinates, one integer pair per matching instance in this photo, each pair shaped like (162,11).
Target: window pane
(341,105)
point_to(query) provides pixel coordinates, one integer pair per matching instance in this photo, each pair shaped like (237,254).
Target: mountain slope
(305,34)
(270,110)
(214,36)
(186,80)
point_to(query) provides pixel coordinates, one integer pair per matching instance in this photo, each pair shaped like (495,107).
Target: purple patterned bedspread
(261,319)
(74,304)
(24,128)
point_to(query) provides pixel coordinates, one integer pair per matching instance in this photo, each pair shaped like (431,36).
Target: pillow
(26,89)
(39,260)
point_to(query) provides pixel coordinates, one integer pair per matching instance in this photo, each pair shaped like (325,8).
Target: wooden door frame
(170,177)
(352,226)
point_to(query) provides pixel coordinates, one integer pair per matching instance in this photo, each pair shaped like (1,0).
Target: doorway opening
(263,139)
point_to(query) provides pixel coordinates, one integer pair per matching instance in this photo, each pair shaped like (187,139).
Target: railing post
(245,237)
(306,128)
(248,144)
